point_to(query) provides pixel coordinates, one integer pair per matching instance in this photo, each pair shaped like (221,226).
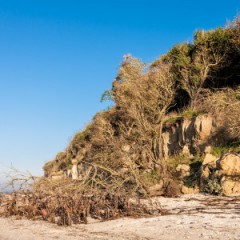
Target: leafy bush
(212,185)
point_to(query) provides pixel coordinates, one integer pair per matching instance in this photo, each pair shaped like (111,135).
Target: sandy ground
(190,217)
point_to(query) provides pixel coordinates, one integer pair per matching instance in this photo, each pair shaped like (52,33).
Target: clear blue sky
(58,57)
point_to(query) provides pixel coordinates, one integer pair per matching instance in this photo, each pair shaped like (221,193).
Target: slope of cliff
(165,113)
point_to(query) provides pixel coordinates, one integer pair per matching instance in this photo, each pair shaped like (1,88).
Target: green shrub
(212,185)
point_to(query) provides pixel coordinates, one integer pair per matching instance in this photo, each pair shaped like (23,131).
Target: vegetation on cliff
(121,150)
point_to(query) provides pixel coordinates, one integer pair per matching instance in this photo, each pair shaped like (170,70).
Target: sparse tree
(145,97)
(210,50)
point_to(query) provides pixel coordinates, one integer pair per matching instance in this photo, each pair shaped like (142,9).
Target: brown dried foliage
(224,105)
(63,204)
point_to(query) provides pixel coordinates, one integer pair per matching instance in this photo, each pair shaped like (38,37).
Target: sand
(190,217)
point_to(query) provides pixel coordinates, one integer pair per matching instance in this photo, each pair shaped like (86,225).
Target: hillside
(169,118)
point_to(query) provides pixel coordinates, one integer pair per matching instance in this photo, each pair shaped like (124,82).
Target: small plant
(212,185)
(178,159)
(172,119)
(230,146)
(184,159)
(189,113)
(185,114)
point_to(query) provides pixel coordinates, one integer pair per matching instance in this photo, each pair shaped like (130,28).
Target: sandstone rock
(207,149)
(171,188)
(74,169)
(74,172)
(156,190)
(183,169)
(230,185)
(187,130)
(165,137)
(186,150)
(189,190)
(205,172)
(185,136)
(210,160)
(226,171)
(74,161)
(57,175)
(229,164)
(204,126)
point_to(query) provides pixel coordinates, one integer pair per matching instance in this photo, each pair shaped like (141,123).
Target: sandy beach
(190,217)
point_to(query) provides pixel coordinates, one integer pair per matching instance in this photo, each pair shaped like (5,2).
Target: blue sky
(58,57)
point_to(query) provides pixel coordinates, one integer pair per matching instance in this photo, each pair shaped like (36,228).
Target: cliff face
(189,136)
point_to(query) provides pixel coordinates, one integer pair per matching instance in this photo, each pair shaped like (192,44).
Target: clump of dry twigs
(61,203)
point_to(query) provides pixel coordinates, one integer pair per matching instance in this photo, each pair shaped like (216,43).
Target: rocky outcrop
(209,163)
(229,168)
(221,173)
(210,159)
(230,185)
(183,170)
(204,126)
(75,173)
(188,136)
(216,175)
(229,164)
